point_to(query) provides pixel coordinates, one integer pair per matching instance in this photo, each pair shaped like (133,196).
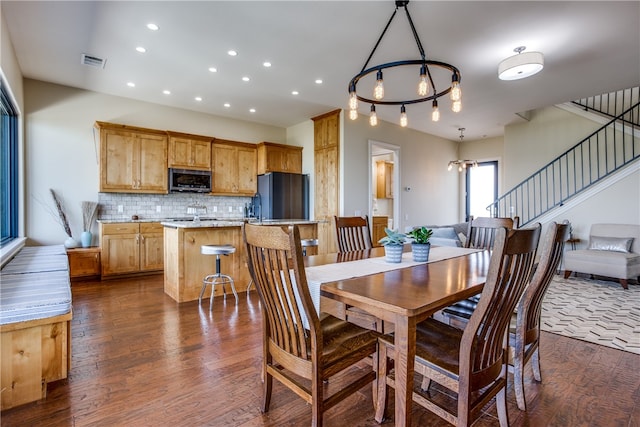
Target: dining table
(403,295)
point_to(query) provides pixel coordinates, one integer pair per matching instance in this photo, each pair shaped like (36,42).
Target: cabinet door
(151,246)
(201,154)
(225,169)
(378,224)
(293,161)
(118,151)
(153,172)
(84,262)
(247,171)
(189,153)
(120,254)
(384,180)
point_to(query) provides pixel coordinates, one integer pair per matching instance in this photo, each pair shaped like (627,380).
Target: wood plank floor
(141,359)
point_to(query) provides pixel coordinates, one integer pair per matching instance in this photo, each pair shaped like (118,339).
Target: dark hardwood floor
(141,359)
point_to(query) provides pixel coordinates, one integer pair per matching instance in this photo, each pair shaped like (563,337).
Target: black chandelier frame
(426,63)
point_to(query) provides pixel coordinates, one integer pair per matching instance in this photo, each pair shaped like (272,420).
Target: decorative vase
(393,253)
(420,251)
(85,239)
(70,243)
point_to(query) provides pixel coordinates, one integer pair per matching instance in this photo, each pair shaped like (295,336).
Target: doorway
(482,189)
(384,186)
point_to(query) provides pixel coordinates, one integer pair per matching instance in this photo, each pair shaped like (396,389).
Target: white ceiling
(590,48)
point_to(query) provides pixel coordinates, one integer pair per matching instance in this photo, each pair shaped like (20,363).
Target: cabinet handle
(142,237)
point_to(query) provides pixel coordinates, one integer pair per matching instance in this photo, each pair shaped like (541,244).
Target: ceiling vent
(92,61)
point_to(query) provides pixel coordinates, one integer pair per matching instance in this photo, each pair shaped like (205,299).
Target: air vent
(92,61)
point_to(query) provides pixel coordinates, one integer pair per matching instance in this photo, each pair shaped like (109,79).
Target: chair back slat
(353,233)
(530,306)
(276,266)
(481,231)
(510,270)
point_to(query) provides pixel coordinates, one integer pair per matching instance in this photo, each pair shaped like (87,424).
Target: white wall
(61,148)
(422,165)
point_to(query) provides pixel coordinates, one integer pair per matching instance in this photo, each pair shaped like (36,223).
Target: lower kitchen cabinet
(131,248)
(84,262)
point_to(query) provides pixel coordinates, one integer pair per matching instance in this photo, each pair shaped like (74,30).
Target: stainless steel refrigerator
(282,196)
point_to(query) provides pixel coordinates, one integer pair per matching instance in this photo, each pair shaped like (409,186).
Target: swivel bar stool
(218,278)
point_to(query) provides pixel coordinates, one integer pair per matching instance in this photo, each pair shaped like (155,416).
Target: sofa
(446,235)
(613,251)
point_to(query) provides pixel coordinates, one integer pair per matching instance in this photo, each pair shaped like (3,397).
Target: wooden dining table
(404,297)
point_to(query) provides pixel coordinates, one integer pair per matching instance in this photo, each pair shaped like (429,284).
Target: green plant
(420,235)
(392,238)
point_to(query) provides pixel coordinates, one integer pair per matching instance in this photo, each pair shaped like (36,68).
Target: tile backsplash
(173,205)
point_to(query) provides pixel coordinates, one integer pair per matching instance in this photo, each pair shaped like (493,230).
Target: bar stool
(218,278)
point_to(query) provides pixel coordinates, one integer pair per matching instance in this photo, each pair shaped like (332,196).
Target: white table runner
(320,274)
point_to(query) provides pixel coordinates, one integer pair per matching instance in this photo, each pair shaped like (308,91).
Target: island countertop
(232,223)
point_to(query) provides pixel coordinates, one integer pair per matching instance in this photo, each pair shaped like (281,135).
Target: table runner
(320,274)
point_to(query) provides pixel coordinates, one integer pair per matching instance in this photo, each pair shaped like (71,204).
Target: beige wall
(61,148)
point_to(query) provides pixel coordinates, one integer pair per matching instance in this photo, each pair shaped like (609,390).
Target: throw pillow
(614,244)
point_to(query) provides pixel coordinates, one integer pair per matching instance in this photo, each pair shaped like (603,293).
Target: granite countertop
(209,223)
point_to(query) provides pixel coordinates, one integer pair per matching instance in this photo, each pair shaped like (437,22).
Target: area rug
(596,311)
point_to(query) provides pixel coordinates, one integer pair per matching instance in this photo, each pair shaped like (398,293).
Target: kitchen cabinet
(131,248)
(234,168)
(132,160)
(378,224)
(84,262)
(188,151)
(274,157)
(384,180)
(327,184)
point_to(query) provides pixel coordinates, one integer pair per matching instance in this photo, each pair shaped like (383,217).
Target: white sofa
(613,251)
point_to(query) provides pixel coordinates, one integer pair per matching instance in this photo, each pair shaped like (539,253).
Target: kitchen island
(185,266)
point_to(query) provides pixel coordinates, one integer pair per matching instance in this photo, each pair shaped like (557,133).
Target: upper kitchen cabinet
(234,168)
(188,151)
(274,157)
(132,159)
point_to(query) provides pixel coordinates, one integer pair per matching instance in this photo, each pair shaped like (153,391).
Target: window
(482,189)
(8,168)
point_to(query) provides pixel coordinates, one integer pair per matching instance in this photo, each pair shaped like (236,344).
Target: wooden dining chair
(524,333)
(470,362)
(301,349)
(481,231)
(353,233)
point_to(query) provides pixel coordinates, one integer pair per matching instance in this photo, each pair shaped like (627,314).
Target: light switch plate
(120,209)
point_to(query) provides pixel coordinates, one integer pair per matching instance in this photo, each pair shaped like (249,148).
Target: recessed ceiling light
(295,92)
(141,49)
(213,69)
(131,84)
(318,81)
(232,53)
(245,79)
(152,26)
(166,92)
(198,98)
(252,110)
(267,64)
(227,105)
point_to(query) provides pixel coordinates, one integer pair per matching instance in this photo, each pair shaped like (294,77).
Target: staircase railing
(605,151)
(610,104)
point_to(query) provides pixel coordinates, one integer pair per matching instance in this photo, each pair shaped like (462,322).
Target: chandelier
(462,164)
(426,87)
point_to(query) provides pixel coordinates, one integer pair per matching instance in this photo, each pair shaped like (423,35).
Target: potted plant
(420,245)
(393,244)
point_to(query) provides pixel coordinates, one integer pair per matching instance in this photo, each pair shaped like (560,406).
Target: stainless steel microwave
(189,181)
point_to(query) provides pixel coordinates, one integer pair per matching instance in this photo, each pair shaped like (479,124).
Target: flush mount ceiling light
(521,65)
(426,72)
(462,164)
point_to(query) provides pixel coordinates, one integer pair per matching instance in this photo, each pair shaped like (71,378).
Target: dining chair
(301,348)
(353,233)
(481,231)
(470,362)
(524,332)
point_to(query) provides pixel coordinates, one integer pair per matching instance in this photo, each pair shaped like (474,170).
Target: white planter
(393,253)
(420,251)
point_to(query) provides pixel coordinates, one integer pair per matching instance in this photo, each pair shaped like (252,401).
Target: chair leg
(624,283)
(267,386)
(317,401)
(501,406)
(518,381)
(381,382)
(535,365)
(567,273)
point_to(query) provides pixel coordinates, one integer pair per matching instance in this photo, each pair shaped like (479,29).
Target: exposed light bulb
(403,117)
(456,106)
(373,117)
(464,165)
(353,114)
(353,100)
(435,113)
(423,85)
(378,90)
(456,92)
(459,168)
(450,166)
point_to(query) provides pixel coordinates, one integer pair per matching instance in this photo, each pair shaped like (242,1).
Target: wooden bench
(35,323)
